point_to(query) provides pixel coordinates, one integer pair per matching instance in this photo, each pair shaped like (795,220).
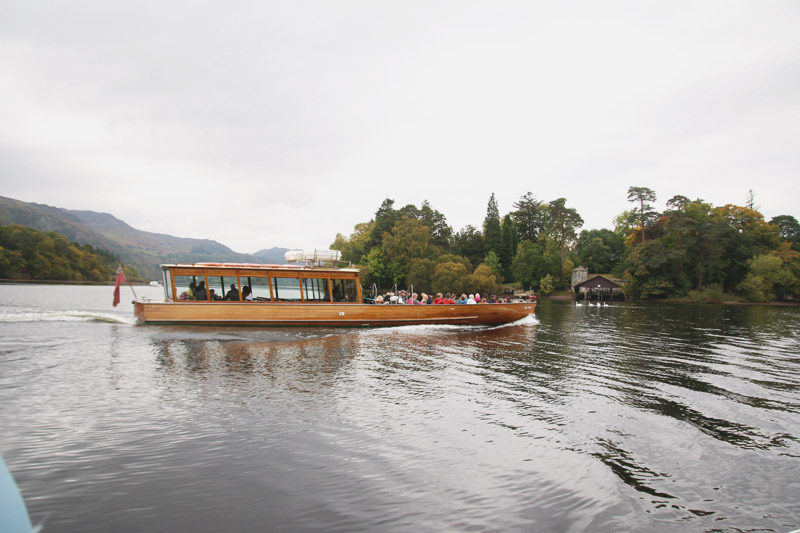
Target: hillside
(142,249)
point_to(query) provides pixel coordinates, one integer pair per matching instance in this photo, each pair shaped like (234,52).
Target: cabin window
(259,287)
(315,290)
(222,287)
(165,280)
(182,287)
(344,290)
(286,289)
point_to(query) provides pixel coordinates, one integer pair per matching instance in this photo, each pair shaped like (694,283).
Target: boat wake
(64,316)
(529,320)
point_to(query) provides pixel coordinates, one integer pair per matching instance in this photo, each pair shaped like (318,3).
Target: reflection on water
(626,417)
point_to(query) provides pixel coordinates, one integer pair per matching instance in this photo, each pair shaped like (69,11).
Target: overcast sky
(261,124)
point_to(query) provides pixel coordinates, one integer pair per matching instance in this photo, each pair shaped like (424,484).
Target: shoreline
(67,282)
(568,297)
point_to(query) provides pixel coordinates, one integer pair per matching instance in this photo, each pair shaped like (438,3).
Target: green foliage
(420,275)
(469,243)
(355,247)
(713,293)
(530,217)
(546,285)
(692,248)
(600,250)
(408,241)
(563,222)
(493,263)
(374,269)
(788,228)
(529,264)
(453,258)
(483,281)
(492,233)
(508,246)
(26,253)
(449,277)
(644,212)
(767,272)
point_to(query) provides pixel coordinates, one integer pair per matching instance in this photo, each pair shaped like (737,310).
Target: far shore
(66,282)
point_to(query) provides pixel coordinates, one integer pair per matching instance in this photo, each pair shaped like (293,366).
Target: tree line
(30,254)
(692,249)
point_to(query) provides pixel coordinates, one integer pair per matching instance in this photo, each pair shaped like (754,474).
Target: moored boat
(244,294)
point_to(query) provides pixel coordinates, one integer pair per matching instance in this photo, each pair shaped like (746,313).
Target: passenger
(233,294)
(212,295)
(463,299)
(477,298)
(492,299)
(247,293)
(438,299)
(471,299)
(423,299)
(449,299)
(401,297)
(200,292)
(337,294)
(379,299)
(190,292)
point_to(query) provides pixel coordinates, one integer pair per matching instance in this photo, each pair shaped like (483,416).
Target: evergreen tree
(644,213)
(530,217)
(469,243)
(509,245)
(492,234)
(564,223)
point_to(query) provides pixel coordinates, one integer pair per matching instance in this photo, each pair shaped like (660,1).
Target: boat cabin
(242,282)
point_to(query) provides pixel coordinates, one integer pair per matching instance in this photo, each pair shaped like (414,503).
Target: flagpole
(129,283)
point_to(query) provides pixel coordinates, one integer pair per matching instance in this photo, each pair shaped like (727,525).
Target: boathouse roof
(603,281)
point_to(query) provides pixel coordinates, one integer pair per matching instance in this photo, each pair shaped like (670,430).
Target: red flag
(120,280)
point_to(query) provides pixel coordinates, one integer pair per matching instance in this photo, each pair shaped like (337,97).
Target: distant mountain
(142,249)
(272,256)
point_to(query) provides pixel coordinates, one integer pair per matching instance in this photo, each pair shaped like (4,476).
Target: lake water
(648,417)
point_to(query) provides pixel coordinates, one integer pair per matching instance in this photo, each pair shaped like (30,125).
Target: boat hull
(328,314)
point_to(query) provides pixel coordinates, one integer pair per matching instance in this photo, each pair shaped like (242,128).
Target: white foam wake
(64,316)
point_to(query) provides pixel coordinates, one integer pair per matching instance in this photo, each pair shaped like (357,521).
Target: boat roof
(256,266)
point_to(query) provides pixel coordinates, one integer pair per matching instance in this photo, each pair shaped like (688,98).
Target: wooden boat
(289,295)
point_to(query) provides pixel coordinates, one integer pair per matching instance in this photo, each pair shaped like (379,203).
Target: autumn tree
(408,240)
(483,280)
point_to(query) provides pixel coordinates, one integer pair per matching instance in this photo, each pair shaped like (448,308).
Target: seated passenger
(190,292)
(471,299)
(493,299)
(423,299)
(463,299)
(401,297)
(477,298)
(233,294)
(212,295)
(247,294)
(379,299)
(448,299)
(200,292)
(438,298)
